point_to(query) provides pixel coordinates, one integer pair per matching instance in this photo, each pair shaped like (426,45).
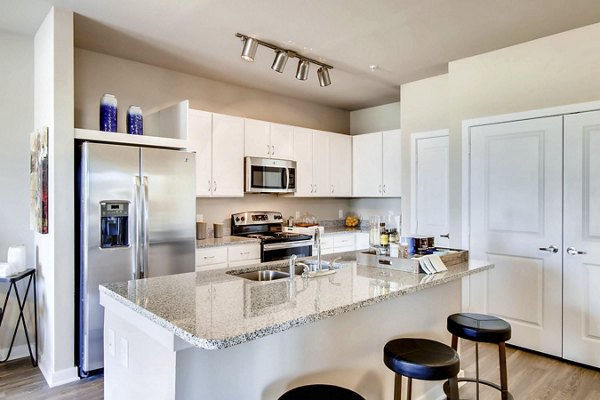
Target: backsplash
(219,210)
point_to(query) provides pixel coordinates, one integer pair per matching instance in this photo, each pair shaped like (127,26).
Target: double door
(535,190)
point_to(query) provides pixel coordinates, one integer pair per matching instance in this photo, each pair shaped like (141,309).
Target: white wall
(424,107)
(153,88)
(53,107)
(555,70)
(16,114)
(374,119)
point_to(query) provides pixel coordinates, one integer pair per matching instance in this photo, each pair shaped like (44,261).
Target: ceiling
(407,39)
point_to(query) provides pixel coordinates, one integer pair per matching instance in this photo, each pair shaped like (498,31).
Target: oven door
(265,175)
(283,251)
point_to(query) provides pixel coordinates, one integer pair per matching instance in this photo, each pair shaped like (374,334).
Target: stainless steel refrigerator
(137,209)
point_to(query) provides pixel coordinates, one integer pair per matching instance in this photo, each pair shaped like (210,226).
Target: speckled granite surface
(224,241)
(215,309)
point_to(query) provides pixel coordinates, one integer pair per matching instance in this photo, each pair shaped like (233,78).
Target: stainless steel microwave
(269,175)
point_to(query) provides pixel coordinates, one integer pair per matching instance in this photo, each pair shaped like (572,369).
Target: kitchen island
(214,335)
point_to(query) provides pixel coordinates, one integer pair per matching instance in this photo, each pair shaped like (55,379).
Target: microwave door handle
(286,178)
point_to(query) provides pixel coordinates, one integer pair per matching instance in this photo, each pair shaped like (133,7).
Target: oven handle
(287,245)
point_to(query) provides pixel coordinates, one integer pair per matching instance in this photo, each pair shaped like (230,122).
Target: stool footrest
(505,395)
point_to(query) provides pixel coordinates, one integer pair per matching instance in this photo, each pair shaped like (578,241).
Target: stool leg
(453,383)
(503,372)
(477,368)
(409,389)
(398,387)
(455,342)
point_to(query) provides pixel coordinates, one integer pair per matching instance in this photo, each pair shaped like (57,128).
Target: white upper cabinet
(340,165)
(228,156)
(218,141)
(320,170)
(303,155)
(257,138)
(264,139)
(392,164)
(367,165)
(282,138)
(376,164)
(200,141)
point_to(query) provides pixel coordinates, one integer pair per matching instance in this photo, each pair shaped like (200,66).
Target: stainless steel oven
(268,175)
(266,226)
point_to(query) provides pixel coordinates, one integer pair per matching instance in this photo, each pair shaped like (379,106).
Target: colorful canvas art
(39,180)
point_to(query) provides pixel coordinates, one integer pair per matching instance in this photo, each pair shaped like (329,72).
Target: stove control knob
(243,219)
(237,219)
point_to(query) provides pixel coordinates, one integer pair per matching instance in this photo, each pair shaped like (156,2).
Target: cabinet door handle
(379,188)
(384,188)
(273,150)
(208,257)
(332,189)
(574,252)
(244,253)
(209,186)
(551,249)
(447,235)
(214,186)
(268,150)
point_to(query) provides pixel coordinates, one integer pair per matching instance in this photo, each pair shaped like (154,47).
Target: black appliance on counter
(267,226)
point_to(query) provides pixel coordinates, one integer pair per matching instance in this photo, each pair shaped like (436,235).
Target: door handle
(574,252)
(214,186)
(447,235)
(379,188)
(268,150)
(209,186)
(273,150)
(145,234)
(550,249)
(384,188)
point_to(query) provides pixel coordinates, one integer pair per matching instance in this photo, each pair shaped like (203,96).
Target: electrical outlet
(124,353)
(110,342)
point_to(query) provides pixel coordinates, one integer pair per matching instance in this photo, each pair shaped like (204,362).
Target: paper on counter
(432,264)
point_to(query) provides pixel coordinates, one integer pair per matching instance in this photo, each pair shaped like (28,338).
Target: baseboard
(60,377)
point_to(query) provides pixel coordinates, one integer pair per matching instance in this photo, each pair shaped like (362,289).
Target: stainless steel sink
(266,275)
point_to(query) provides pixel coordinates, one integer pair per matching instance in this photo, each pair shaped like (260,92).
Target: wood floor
(530,377)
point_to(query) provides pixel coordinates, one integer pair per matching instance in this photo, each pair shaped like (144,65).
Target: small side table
(12,280)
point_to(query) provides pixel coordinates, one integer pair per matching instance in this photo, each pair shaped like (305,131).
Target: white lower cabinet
(337,243)
(362,241)
(227,256)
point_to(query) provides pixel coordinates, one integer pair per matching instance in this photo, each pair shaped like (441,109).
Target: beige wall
(424,107)
(555,70)
(375,119)
(153,88)
(16,114)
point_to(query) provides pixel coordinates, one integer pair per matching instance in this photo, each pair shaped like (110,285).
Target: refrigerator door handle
(145,236)
(137,251)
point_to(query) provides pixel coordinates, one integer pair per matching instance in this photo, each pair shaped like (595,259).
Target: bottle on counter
(384,239)
(394,237)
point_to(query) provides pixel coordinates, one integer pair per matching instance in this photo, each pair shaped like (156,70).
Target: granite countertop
(215,309)
(224,241)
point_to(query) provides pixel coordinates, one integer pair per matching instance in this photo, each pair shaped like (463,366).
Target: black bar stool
(320,392)
(486,329)
(421,359)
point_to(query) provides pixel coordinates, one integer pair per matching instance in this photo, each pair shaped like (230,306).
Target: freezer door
(108,177)
(169,203)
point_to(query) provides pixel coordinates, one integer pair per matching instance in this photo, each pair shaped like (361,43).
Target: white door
(282,137)
(228,156)
(392,163)
(200,141)
(429,175)
(516,208)
(256,138)
(582,235)
(366,165)
(303,155)
(340,164)
(321,171)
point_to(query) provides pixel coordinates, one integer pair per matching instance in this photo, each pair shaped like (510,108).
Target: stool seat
(321,392)
(479,327)
(421,359)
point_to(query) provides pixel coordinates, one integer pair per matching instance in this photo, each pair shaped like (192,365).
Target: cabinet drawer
(244,252)
(346,240)
(214,255)
(326,242)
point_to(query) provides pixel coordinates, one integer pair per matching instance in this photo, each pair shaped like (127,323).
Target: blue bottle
(135,120)
(108,113)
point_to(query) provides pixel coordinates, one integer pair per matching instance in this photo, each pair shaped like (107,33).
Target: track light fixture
(281,58)
(323,75)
